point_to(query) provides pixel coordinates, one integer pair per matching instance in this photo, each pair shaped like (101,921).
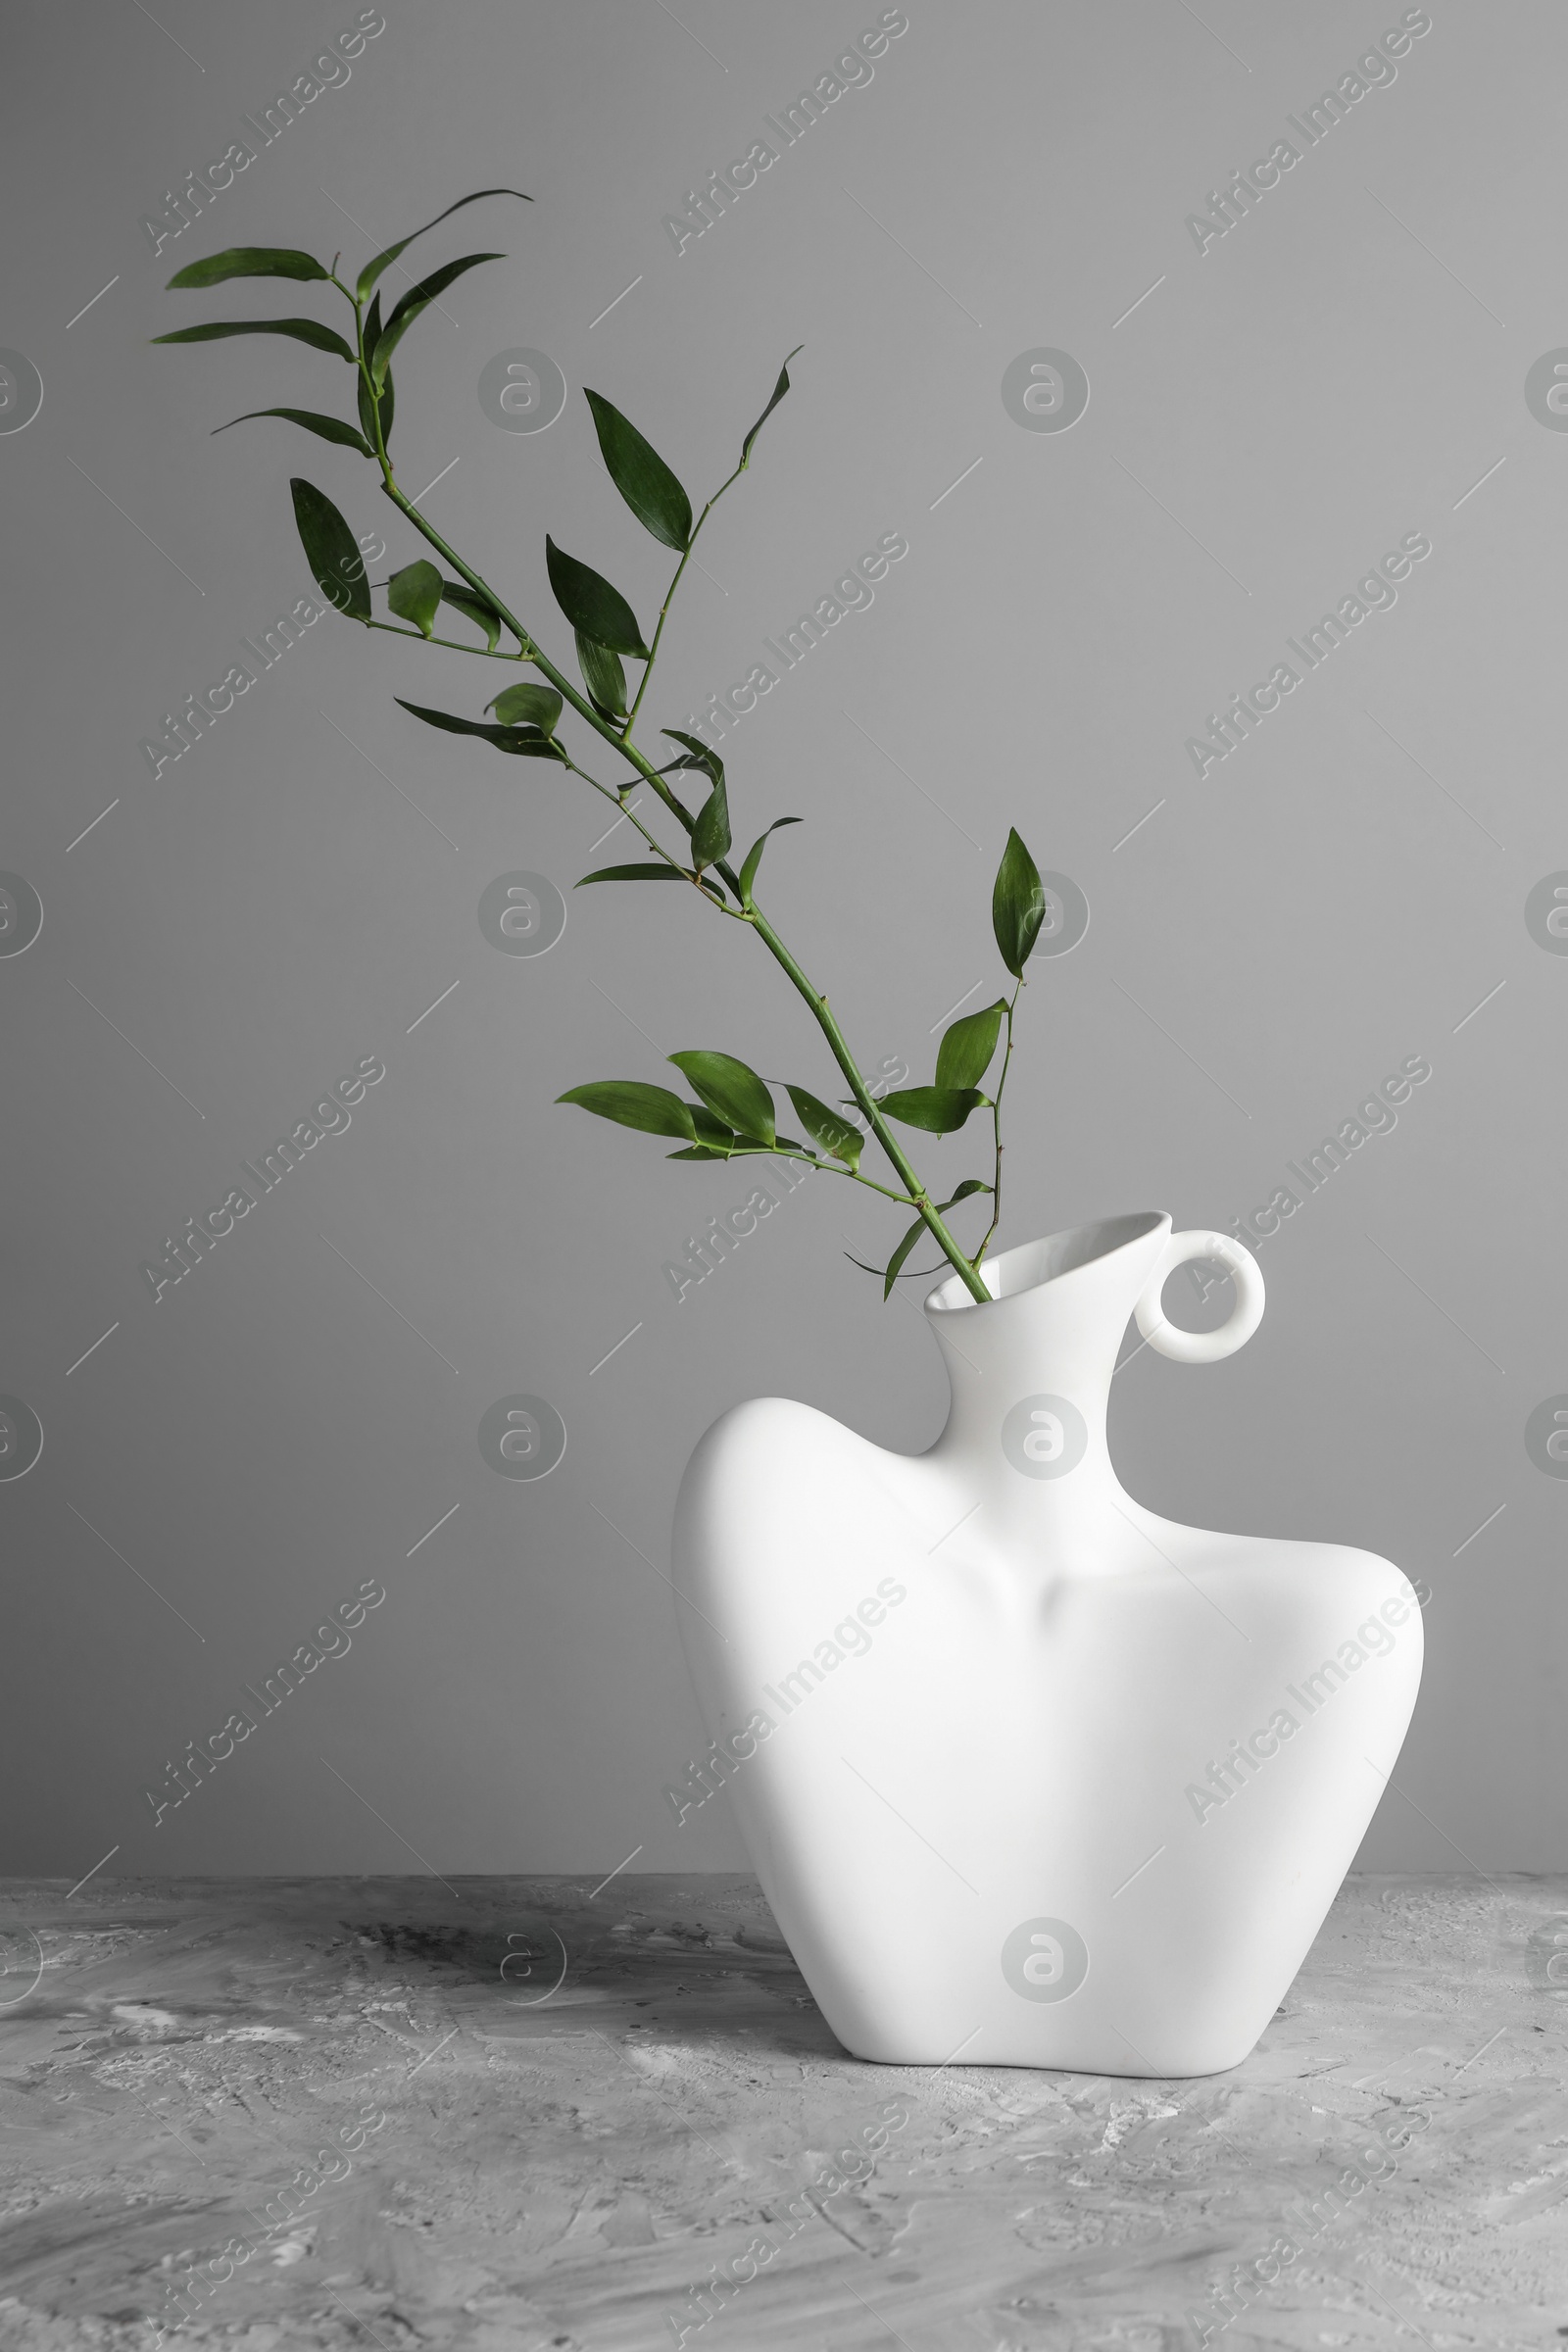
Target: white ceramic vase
(1031,1776)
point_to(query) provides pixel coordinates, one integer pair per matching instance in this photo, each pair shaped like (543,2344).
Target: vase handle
(1203,1347)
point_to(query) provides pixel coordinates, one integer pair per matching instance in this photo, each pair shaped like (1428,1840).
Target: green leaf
(745,1150)
(527,707)
(249,261)
(417,299)
(331,551)
(965,1053)
(971,1184)
(710,833)
(592,606)
(876,1270)
(603,676)
(524,743)
(303,330)
(741,1150)
(696,754)
(642,477)
(473,607)
(939,1109)
(895,1262)
(326,428)
(647,872)
(414,594)
(706,763)
(716,1133)
(631,1104)
(368,414)
(735,1147)
(1017,904)
(370,332)
(779,390)
(826,1128)
(732,1090)
(754,857)
(372,270)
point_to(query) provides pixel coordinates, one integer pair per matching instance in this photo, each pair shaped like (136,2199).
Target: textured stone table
(509,2113)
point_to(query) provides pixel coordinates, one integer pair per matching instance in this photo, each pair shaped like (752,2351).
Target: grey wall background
(1341,370)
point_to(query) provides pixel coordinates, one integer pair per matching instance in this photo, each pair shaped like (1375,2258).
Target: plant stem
(996,1124)
(825,1168)
(541,661)
(920,1199)
(707,890)
(485,651)
(838,1044)
(670,594)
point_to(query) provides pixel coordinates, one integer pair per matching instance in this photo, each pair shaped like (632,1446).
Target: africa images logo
(1044,1437)
(21,914)
(1546,1436)
(523,391)
(20,1438)
(522,1436)
(20,1964)
(1045,1960)
(1045,390)
(522,913)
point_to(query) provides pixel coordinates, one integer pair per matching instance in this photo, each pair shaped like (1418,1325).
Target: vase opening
(1033,1265)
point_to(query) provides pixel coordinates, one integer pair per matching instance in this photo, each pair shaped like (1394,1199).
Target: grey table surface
(503,2114)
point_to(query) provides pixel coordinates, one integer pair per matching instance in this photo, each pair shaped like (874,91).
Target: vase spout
(1030,1373)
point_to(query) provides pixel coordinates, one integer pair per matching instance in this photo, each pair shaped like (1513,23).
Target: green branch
(656,498)
(825,1020)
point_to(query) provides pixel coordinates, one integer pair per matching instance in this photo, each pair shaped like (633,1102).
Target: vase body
(1031,1776)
